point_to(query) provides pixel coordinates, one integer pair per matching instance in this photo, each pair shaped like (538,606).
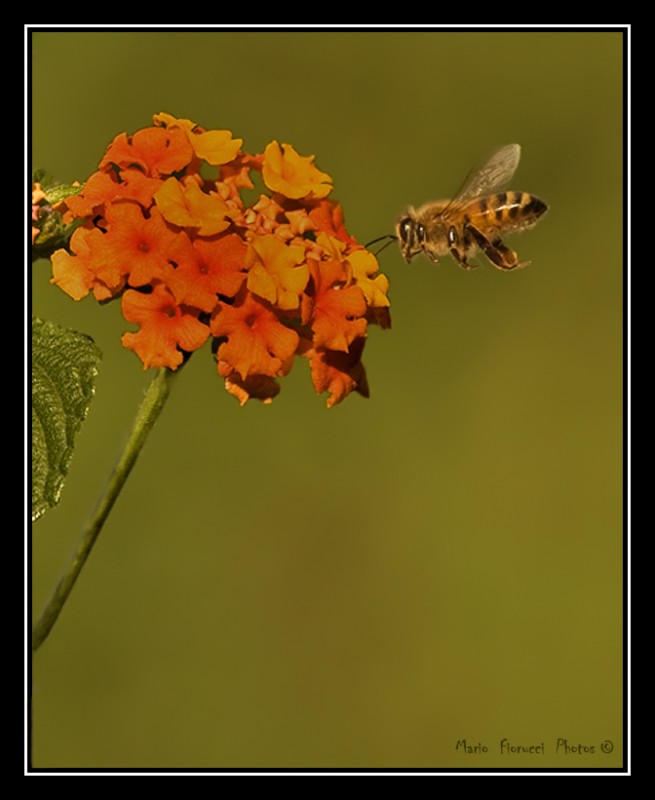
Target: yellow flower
(364,265)
(188,205)
(274,272)
(292,175)
(215,147)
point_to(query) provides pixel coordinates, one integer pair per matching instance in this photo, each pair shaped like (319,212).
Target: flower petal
(259,387)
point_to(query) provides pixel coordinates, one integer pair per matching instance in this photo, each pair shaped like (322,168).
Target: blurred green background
(287,586)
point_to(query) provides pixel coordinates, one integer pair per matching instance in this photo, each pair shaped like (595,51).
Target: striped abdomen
(506,211)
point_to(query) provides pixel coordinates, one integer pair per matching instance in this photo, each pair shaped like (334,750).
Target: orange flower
(327,216)
(134,245)
(339,373)
(105,188)
(257,342)
(166,330)
(205,268)
(336,312)
(292,175)
(269,280)
(77,274)
(156,151)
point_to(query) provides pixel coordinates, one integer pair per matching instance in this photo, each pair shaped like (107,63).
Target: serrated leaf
(64,368)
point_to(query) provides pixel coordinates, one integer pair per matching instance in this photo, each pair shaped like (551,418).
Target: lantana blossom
(167,329)
(268,281)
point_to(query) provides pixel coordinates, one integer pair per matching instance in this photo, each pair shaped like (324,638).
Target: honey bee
(475,219)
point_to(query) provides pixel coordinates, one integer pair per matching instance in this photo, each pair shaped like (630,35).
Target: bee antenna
(389,236)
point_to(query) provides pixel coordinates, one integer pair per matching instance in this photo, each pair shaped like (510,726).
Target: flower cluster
(49,232)
(191,260)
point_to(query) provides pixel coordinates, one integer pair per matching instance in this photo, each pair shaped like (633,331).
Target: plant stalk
(150,409)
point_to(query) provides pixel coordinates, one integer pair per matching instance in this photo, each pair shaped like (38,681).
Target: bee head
(411,235)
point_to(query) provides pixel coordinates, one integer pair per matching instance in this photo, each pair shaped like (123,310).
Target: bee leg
(459,257)
(496,251)
(461,260)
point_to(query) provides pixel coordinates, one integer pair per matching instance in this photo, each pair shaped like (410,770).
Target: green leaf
(54,194)
(53,190)
(64,368)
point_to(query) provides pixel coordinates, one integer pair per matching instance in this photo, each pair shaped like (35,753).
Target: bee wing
(490,175)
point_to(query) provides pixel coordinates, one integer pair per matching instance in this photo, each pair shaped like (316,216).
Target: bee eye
(405,228)
(420,233)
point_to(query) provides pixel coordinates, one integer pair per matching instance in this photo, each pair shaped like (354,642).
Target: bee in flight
(475,219)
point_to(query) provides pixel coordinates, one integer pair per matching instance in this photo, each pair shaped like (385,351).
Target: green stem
(150,409)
